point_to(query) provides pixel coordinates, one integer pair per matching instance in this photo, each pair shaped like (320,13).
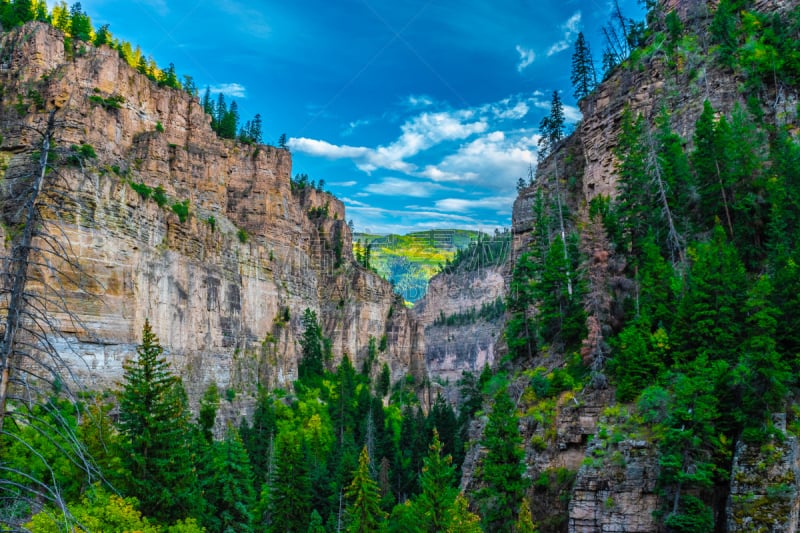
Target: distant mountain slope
(410,260)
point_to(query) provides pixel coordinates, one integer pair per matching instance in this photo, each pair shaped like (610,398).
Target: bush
(160,196)
(242,234)
(159,127)
(212,222)
(181,209)
(143,190)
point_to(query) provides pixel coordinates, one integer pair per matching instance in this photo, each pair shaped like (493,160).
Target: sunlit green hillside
(409,261)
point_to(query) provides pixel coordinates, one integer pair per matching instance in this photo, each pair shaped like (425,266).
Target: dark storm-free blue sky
(417,114)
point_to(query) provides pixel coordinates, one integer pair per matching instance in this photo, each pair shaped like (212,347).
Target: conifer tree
(154,425)
(438,494)
(258,437)
(80,24)
(462,520)
(208,413)
(311,365)
(228,486)
(363,510)
(525,521)
(287,493)
(503,467)
(584,77)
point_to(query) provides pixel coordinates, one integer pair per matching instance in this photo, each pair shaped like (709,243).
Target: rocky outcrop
(765,484)
(467,345)
(225,289)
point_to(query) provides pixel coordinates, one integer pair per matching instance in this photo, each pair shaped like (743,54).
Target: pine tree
(154,425)
(584,77)
(228,486)
(525,521)
(258,437)
(762,374)
(363,510)
(438,494)
(709,316)
(461,519)
(208,413)
(503,467)
(287,493)
(706,163)
(311,365)
(80,24)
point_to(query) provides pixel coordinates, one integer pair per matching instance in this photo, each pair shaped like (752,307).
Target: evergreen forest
(678,295)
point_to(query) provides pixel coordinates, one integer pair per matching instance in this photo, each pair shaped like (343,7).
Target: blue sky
(417,114)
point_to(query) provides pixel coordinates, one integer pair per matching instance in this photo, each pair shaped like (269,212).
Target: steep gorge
(217,287)
(585,447)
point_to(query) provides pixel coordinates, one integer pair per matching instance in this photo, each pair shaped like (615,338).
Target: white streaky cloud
(403,187)
(325,149)
(526,57)
(250,20)
(354,125)
(159,6)
(350,183)
(417,101)
(465,205)
(571,28)
(231,90)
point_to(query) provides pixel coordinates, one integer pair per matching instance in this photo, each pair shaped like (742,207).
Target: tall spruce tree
(364,513)
(228,486)
(155,430)
(311,365)
(288,492)
(433,505)
(583,77)
(503,467)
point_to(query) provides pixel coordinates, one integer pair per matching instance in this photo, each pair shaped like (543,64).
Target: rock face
(452,349)
(218,287)
(765,486)
(614,486)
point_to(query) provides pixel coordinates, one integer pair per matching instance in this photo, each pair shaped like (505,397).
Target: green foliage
(227,486)
(363,510)
(182,210)
(311,365)
(287,492)
(160,196)
(583,76)
(438,494)
(503,467)
(212,222)
(101,511)
(488,311)
(241,234)
(159,127)
(154,425)
(112,102)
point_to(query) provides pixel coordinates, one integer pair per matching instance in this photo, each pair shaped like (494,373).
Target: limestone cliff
(453,349)
(226,288)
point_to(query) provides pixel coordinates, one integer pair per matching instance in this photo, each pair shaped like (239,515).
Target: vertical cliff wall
(217,287)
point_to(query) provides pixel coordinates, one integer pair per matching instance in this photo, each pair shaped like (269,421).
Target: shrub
(242,234)
(181,209)
(159,127)
(212,222)
(143,190)
(160,196)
